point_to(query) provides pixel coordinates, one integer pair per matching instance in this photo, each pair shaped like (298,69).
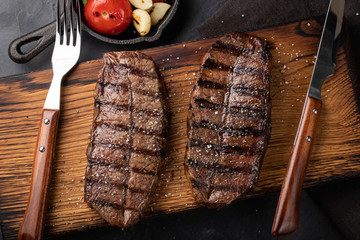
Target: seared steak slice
(229,120)
(127,138)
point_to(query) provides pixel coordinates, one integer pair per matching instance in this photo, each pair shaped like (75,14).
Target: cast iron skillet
(44,36)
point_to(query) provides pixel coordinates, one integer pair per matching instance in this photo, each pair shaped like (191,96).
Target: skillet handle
(43,37)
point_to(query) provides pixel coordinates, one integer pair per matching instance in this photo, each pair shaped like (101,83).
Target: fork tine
(58,24)
(78,15)
(78,20)
(66,23)
(75,21)
(71,21)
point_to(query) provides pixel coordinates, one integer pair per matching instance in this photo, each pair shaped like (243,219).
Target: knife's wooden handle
(287,211)
(33,222)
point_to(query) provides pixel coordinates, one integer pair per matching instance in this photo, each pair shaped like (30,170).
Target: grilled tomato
(108,16)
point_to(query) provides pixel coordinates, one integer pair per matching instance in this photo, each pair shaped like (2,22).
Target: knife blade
(326,56)
(287,212)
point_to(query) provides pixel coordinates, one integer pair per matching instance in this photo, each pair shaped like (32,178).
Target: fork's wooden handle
(33,222)
(287,211)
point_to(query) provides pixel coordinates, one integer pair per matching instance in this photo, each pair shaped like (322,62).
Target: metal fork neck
(53,97)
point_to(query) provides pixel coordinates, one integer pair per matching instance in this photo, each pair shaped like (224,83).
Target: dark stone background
(330,211)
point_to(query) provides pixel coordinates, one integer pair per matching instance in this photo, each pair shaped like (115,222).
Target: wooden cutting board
(294,46)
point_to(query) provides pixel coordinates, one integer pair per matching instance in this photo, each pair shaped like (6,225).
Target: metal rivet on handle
(42,149)
(46,121)
(315,111)
(308,139)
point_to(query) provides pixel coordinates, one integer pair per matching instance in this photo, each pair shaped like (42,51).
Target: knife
(287,211)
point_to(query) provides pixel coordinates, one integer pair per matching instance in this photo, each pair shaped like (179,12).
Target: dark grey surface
(250,219)
(327,212)
(255,14)
(341,203)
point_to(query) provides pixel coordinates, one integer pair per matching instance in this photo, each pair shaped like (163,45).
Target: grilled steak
(127,138)
(229,120)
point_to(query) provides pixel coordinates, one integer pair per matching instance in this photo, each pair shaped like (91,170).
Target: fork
(65,56)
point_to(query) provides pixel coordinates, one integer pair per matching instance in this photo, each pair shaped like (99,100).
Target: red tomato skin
(108,16)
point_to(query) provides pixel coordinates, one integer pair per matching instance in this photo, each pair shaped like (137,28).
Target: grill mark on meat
(212,64)
(247,111)
(240,150)
(229,125)
(245,131)
(239,89)
(209,84)
(247,151)
(133,70)
(238,50)
(232,49)
(119,167)
(217,168)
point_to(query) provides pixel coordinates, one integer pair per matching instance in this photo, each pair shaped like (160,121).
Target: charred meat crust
(229,120)
(127,140)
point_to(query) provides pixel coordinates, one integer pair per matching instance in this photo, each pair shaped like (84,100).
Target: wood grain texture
(287,212)
(33,222)
(335,152)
